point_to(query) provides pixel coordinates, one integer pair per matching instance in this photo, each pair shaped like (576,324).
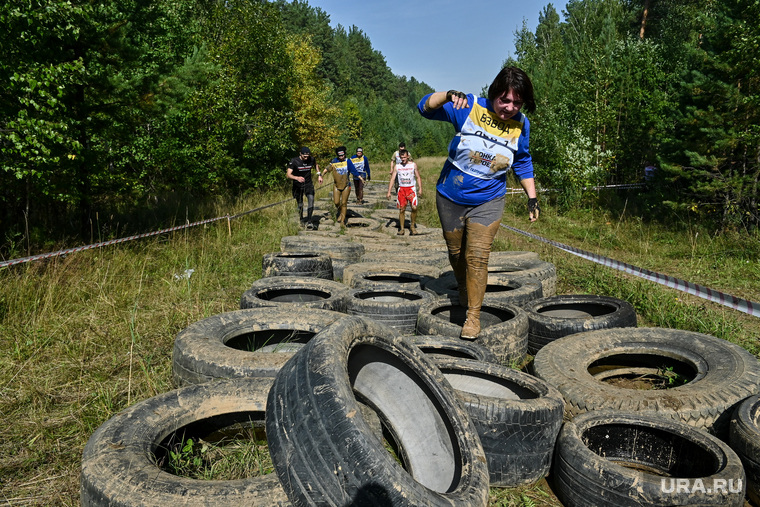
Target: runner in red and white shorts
(408,177)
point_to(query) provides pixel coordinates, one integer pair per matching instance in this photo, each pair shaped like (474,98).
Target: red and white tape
(743,305)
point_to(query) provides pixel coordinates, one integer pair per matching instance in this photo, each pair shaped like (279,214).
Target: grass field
(87,335)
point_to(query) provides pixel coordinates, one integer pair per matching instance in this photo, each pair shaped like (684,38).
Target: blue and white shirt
(481,153)
(362,166)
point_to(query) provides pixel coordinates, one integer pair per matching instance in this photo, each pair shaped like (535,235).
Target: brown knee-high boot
(455,245)
(401,218)
(413,220)
(478,248)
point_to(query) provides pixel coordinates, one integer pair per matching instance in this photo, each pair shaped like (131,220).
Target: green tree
(316,115)
(246,115)
(81,78)
(713,154)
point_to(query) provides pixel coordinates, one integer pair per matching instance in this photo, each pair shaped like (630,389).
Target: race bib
(487,144)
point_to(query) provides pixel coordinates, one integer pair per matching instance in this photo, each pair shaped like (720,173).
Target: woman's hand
(458,99)
(436,100)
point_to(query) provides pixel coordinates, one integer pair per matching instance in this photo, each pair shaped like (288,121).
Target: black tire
(342,251)
(296,293)
(390,226)
(499,288)
(744,439)
(405,245)
(313,264)
(402,275)
(510,256)
(361,235)
(340,247)
(339,265)
(394,307)
(557,316)
(386,216)
(518,417)
(360,223)
(425,234)
(427,257)
(239,344)
(324,451)
(544,271)
(606,458)
(119,463)
(504,327)
(590,368)
(446,347)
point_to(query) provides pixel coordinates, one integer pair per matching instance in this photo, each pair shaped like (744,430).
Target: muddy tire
(119,463)
(690,376)
(360,223)
(393,307)
(244,343)
(402,275)
(337,247)
(504,327)
(387,216)
(363,236)
(446,347)
(427,257)
(557,316)
(324,451)
(608,458)
(405,245)
(312,264)
(537,269)
(518,417)
(744,439)
(341,251)
(499,288)
(510,256)
(296,293)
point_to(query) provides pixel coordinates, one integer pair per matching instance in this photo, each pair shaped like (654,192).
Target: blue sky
(447,44)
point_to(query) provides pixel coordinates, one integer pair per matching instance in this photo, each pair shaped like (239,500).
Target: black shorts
(302,189)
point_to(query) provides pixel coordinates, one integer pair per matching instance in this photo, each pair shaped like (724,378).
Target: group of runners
(404,178)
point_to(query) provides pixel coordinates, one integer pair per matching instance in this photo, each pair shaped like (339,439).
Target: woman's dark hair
(512,78)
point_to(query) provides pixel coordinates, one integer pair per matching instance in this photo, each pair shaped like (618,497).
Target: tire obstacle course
(368,396)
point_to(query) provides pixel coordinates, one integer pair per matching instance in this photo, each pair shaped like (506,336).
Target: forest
(111,110)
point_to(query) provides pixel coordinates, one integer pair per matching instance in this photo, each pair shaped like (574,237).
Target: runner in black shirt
(299,170)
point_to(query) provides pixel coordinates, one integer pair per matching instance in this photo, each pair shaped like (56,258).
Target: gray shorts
(455,216)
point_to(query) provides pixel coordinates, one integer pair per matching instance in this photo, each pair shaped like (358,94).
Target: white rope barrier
(743,305)
(13,262)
